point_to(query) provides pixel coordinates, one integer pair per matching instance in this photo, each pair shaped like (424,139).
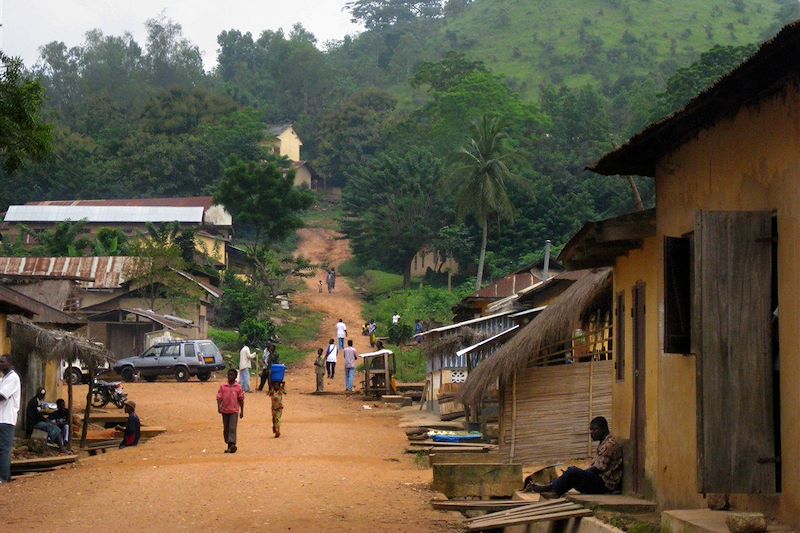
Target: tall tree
(262,195)
(23,135)
(395,208)
(482,177)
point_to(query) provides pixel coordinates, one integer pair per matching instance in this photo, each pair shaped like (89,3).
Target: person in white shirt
(9,407)
(331,355)
(341,333)
(245,362)
(395,318)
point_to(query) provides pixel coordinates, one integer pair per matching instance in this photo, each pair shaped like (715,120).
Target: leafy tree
(171,59)
(23,135)
(482,179)
(395,208)
(64,239)
(257,332)
(380,14)
(354,132)
(262,195)
(688,82)
(443,75)
(110,242)
(240,300)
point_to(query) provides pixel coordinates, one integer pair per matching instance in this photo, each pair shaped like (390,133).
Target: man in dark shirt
(133,428)
(60,418)
(603,477)
(35,419)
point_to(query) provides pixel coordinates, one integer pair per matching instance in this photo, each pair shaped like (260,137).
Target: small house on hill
(284,141)
(705,306)
(550,386)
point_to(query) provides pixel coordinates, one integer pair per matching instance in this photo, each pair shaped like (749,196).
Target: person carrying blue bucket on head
(277,390)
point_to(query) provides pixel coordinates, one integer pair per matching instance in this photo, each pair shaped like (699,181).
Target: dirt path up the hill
(336,467)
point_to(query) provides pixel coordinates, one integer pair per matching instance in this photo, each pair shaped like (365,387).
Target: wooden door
(736,443)
(639,407)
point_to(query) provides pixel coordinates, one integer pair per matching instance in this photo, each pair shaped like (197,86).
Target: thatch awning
(53,345)
(450,342)
(556,323)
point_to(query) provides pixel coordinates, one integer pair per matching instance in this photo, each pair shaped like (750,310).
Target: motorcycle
(105,392)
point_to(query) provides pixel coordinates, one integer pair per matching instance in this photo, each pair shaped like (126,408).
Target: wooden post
(512,452)
(591,397)
(88,410)
(69,405)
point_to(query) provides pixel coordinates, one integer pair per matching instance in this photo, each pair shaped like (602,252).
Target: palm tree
(482,179)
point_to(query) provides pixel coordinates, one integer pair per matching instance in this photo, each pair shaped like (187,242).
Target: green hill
(573,42)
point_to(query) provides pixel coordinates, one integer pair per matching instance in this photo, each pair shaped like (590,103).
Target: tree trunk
(88,410)
(407,276)
(637,198)
(479,279)
(69,405)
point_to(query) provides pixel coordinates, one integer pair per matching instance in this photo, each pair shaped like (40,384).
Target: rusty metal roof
(118,316)
(191,201)
(42,313)
(106,272)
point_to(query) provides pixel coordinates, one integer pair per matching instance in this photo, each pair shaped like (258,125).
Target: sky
(28,24)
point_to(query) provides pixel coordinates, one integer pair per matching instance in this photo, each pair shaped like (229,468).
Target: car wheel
(150,379)
(127,374)
(182,374)
(74,376)
(204,376)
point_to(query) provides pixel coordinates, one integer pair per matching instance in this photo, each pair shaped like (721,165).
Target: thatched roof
(53,345)
(450,342)
(556,323)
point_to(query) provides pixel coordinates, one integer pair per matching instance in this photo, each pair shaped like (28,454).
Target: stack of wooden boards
(40,464)
(549,510)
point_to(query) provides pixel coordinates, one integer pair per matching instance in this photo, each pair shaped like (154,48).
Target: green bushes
(431,305)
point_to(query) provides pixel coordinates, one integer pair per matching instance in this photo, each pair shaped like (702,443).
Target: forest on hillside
(384,113)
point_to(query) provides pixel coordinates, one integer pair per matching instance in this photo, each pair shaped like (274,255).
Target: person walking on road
(230,404)
(372,331)
(277,390)
(341,333)
(245,363)
(350,358)
(9,407)
(331,355)
(319,370)
(395,318)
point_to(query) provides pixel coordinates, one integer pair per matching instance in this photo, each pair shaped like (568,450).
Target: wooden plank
(532,519)
(42,462)
(735,358)
(476,505)
(546,504)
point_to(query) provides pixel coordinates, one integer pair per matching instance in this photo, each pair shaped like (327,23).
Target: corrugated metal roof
(115,316)
(277,129)
(103,214)
(44,314)
(107,272)
(210,289)
(190,201)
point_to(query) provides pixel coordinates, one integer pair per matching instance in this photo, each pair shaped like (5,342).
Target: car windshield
(209,348)
(152,352)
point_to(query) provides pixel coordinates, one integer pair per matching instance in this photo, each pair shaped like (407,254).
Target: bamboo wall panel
(553,410)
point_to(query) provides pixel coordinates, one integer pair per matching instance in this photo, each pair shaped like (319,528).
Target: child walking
(319,369)
(230,404)
(277,391)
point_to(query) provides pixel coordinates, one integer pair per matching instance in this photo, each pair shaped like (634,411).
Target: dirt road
(336,466)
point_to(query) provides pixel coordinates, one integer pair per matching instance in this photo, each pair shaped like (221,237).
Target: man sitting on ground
(60,417)
(603,477)
(133,427)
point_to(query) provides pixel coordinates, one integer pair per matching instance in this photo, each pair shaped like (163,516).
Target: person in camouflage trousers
(277,391)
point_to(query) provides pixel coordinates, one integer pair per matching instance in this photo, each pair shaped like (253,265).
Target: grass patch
(325,215)
(227,340)
(430,304)
(377,282)
(297,327)
(411,364)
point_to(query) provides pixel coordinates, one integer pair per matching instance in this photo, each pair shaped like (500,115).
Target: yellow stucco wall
(290,144)
(748,162)
(213,247)
(302,177)
(5,343)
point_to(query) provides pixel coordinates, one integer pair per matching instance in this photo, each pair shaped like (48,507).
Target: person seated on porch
(60,417)
(34,419)
(603,477)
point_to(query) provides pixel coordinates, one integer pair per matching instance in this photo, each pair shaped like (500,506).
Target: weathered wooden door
(639,407)
(736,448)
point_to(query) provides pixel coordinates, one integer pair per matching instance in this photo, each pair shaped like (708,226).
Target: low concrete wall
(458,480)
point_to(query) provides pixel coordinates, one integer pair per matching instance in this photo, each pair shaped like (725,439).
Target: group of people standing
(325,363)
(246,357)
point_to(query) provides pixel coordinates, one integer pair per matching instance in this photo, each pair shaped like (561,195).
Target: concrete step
(703,521)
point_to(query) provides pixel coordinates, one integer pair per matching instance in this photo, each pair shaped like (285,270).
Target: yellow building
(286,142)
(707,295)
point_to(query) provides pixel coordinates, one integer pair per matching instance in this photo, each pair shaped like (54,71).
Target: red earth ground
(336,467)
